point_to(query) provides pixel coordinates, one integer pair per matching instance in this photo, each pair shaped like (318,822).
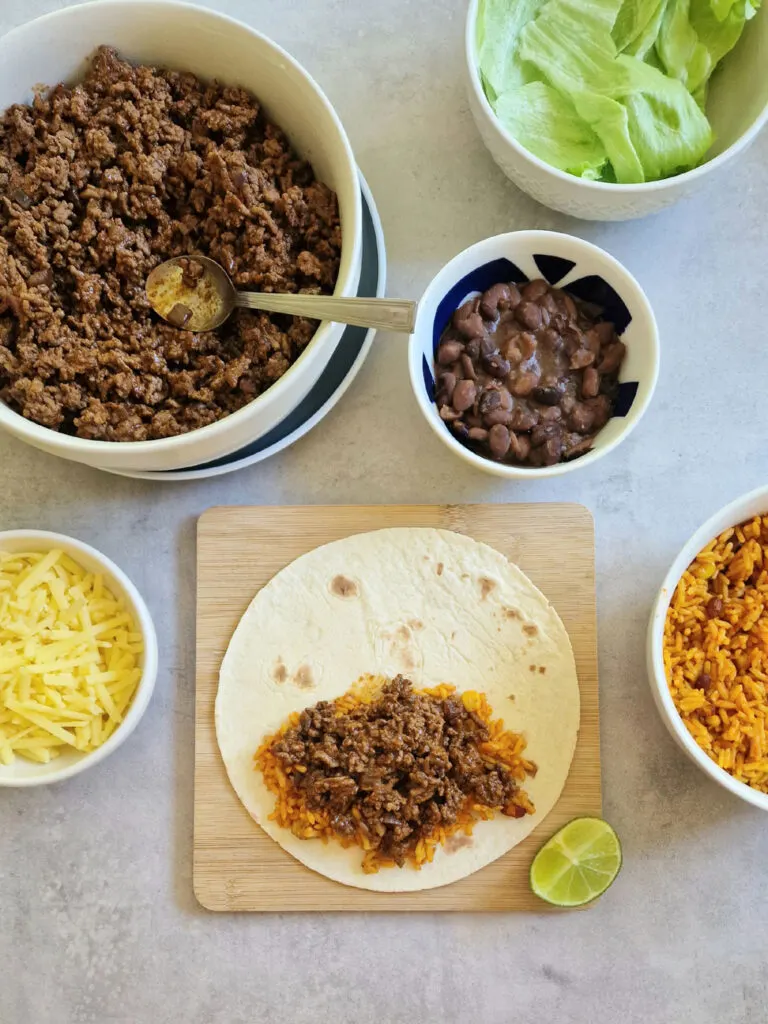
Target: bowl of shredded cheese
(78,657)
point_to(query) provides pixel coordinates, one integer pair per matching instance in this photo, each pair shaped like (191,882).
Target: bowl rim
(597,187)
(639,406)
(32,432)
(729,515)
(47,539)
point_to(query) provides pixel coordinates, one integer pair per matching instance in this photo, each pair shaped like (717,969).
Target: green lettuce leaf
(546,123)
(649,124)
(500,23)
(682,53)
(610,122)
(695,35)
(637,26)
(722,8)
(668,129)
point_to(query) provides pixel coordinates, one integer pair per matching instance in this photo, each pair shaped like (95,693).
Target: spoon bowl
(197,301)
(195,293)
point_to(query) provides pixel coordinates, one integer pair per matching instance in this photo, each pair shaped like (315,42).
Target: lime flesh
(577,864)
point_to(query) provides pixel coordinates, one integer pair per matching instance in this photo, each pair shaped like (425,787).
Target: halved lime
(577,864)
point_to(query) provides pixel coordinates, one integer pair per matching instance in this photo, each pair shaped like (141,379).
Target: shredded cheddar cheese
(69,657)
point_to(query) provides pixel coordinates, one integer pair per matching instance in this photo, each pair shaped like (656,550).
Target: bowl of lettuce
(613,109)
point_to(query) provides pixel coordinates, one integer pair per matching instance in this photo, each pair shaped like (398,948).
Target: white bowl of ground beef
(248,195)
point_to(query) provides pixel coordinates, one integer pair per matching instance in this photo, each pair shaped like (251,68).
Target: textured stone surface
(98,919)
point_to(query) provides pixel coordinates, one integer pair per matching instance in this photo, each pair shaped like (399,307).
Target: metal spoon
(206,304)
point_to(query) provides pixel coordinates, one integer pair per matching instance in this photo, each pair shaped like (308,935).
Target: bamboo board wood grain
(237,867)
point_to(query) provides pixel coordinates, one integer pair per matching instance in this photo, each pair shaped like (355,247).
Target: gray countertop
(98,922)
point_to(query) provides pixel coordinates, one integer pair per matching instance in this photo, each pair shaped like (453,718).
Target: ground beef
(402,765)
(101,182)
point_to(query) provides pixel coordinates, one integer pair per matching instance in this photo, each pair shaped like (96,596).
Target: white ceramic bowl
(737,108)
(743,508)
(565,261)
(54,48)
(27,773)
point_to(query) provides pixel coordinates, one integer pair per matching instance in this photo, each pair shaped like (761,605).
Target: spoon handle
(381,314)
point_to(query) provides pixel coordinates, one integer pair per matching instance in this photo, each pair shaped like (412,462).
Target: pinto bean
(520,446)
(448,352)
(605,331)
(581,418)
(524,419)
(496,365)
(534,291)
(498,415)
(601,410)
(446,385)
(579,448)
(448,413)
(498,440)
(515,297)
(611,357)
(573,339)
(590,383)
(524,384)
(551,414)
(490,300)
(468,367)
(551,339)
(581,358)
(464,395)
(471,327)
(547,395)
(529,315)
(513,353)
(489,400)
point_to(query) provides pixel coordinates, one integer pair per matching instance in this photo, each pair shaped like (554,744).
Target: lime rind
(577,864)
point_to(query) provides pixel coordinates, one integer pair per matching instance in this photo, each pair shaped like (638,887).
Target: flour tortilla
(437,607)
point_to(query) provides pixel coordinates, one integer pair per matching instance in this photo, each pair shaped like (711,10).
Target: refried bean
(101,182)
(528,375)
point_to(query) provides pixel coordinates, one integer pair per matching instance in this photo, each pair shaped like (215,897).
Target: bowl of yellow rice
(78,657)
(708,648)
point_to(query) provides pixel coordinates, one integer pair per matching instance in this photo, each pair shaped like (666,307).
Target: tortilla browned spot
(542,669)
(343,587)
(511,613)
(531,668)
(530,629)
(440,568)
(416,624)
(487,585)
(400,645)
(303,677)
(279,672)
(457,842)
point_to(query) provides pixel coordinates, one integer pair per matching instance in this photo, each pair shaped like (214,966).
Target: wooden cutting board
(236,865)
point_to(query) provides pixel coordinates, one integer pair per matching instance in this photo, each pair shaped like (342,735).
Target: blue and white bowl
(580,268)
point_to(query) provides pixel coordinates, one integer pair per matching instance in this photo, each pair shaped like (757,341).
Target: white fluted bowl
(737,107)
